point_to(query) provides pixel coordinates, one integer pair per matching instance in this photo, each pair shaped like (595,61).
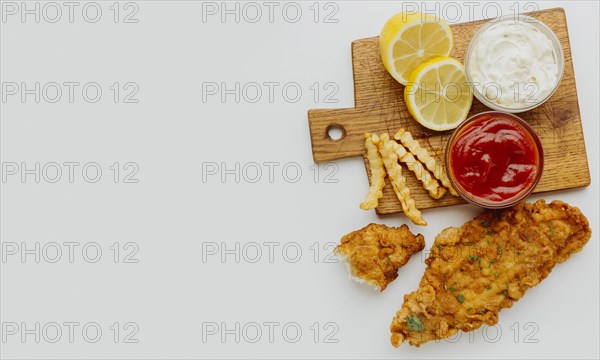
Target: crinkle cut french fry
(394,171)
(377,175)
(421,153)
(430,184)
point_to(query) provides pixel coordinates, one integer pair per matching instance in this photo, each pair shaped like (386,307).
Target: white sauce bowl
(514,63)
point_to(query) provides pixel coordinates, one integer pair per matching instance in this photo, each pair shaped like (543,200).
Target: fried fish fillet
(376,252)
(487,264)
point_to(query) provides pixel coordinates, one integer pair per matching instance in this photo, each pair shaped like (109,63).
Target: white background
(172,218)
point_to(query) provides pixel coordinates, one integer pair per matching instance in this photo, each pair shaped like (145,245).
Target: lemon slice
(409,39)
(438,95)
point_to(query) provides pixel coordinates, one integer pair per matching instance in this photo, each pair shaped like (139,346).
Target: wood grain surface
(379,107)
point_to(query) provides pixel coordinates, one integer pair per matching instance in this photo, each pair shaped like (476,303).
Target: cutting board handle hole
(335,132)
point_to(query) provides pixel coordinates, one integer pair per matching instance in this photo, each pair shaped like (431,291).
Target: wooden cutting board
(379,107)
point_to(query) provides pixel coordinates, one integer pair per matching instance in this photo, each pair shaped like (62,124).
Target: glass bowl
(529,87)
(518,123)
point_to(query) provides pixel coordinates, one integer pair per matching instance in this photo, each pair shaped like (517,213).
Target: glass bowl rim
(481,202)
(540,25)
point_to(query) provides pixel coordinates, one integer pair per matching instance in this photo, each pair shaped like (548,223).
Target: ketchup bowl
(494,159)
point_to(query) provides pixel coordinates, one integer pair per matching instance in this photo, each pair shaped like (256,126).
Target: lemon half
(409,39)
(438,95)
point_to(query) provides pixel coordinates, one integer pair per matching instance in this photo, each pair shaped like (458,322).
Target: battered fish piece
(376,252)
(486,265)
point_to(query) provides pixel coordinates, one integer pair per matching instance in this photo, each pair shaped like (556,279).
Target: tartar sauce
(513,64)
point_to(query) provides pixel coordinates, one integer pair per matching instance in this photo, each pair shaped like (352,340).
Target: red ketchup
(495,159)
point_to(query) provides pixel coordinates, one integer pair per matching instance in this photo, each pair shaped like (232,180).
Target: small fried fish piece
(486,265)
(394,171)
(405,137)
(430,184)
(374,253)
(377,175)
